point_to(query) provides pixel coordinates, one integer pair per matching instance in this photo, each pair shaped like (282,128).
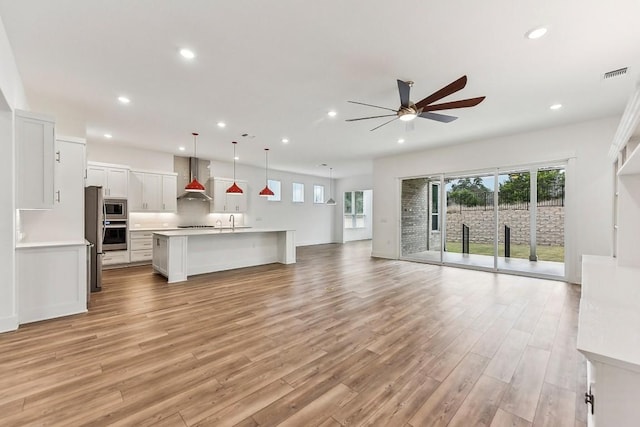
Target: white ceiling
(274,69)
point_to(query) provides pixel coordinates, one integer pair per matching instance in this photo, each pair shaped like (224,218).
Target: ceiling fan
(409,111)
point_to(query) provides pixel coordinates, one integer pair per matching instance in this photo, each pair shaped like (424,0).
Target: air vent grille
(615,73)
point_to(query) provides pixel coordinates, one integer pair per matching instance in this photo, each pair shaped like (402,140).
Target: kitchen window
(318,194)
(297,194)
(354,209)
(275,187)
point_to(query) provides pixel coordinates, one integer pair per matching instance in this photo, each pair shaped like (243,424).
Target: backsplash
(190,212)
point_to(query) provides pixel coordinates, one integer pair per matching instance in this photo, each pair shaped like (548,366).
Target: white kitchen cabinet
(35,160)
(114,179)
(115,257)
(141,246)
(51,279)
(152,192)
(170,192)
(65,221)
(223,202)
(609,337)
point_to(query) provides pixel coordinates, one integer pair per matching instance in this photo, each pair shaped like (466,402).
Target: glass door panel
(470,220)
(514,220)
(550,220)
(421,220)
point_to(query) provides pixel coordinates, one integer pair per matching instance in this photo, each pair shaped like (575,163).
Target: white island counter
(178,254)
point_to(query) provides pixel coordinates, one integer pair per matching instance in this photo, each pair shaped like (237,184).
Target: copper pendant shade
(266,191)
(234,189)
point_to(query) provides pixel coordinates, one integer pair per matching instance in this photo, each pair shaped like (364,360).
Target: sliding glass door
(501,220)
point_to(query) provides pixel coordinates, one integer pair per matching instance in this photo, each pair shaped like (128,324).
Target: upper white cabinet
(35,160)
(152,192)
(113,179)
(170,192)
(223,202)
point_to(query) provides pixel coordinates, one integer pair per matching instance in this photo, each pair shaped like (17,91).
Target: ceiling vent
(615,73)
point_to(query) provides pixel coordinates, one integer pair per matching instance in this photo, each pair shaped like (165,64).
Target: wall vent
(615,73)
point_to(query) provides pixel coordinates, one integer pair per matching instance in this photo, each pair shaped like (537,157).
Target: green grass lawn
(545,253)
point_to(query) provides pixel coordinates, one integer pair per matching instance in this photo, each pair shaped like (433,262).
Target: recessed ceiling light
(108,135)
(188,54)
(332,113)
(556,106)
(536,33)
(236,158)
(181,148)
(285,141)
(124,99)
(222,124)
(401,141)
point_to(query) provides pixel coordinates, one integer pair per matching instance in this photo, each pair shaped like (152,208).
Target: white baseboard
(46,313)
(8,324)
(382,255)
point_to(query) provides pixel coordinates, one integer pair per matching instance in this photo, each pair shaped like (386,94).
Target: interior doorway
(357,221)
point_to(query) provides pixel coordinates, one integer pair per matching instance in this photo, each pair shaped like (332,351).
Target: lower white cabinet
(52,281)
(115,257)
(609,337)
(141,246)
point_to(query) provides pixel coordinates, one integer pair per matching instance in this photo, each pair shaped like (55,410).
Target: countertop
(179,228)
(609,323)
(25,245)
(216,231)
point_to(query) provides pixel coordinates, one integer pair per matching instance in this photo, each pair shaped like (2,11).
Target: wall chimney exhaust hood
(194,190)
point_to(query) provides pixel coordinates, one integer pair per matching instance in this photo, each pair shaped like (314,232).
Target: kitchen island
(178,254)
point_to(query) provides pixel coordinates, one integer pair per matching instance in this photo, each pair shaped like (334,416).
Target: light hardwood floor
(337,339)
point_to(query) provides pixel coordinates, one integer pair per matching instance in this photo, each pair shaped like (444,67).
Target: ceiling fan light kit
(408,111)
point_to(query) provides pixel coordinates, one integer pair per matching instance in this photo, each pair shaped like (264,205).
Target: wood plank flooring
(338,339)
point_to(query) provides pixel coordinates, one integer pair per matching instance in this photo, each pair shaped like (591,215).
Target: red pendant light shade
(194,185)
(234,189)
(266,191)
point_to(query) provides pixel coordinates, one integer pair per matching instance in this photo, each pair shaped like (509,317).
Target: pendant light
(194,185)
(330,201)
(266,191)
(234,189)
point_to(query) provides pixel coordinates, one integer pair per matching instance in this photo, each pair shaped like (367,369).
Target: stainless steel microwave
(115,209)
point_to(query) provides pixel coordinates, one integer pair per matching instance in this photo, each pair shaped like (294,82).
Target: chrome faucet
(232,220)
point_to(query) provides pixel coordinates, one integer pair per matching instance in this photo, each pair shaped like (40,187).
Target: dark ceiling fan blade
(437,117)
(463,103)
(367,118)
(385,123)
(369,105)
(445,91)
(404,88)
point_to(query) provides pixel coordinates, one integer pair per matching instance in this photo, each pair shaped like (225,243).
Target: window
(435,203)
(275,187)
(318,194)
(297,193)
(354,209)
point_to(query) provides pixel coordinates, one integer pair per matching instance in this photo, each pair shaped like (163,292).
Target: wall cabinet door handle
(58,156)
(58,196)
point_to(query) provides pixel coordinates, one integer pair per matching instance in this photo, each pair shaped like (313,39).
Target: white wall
(134,157)
(589,182)
(12,96)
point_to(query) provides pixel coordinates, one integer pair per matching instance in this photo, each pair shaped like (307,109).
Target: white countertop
(217,231)
(25,245)
(609,323)
(153,228)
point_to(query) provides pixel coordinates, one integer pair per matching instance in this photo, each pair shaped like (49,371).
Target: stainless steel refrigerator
(94,223)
